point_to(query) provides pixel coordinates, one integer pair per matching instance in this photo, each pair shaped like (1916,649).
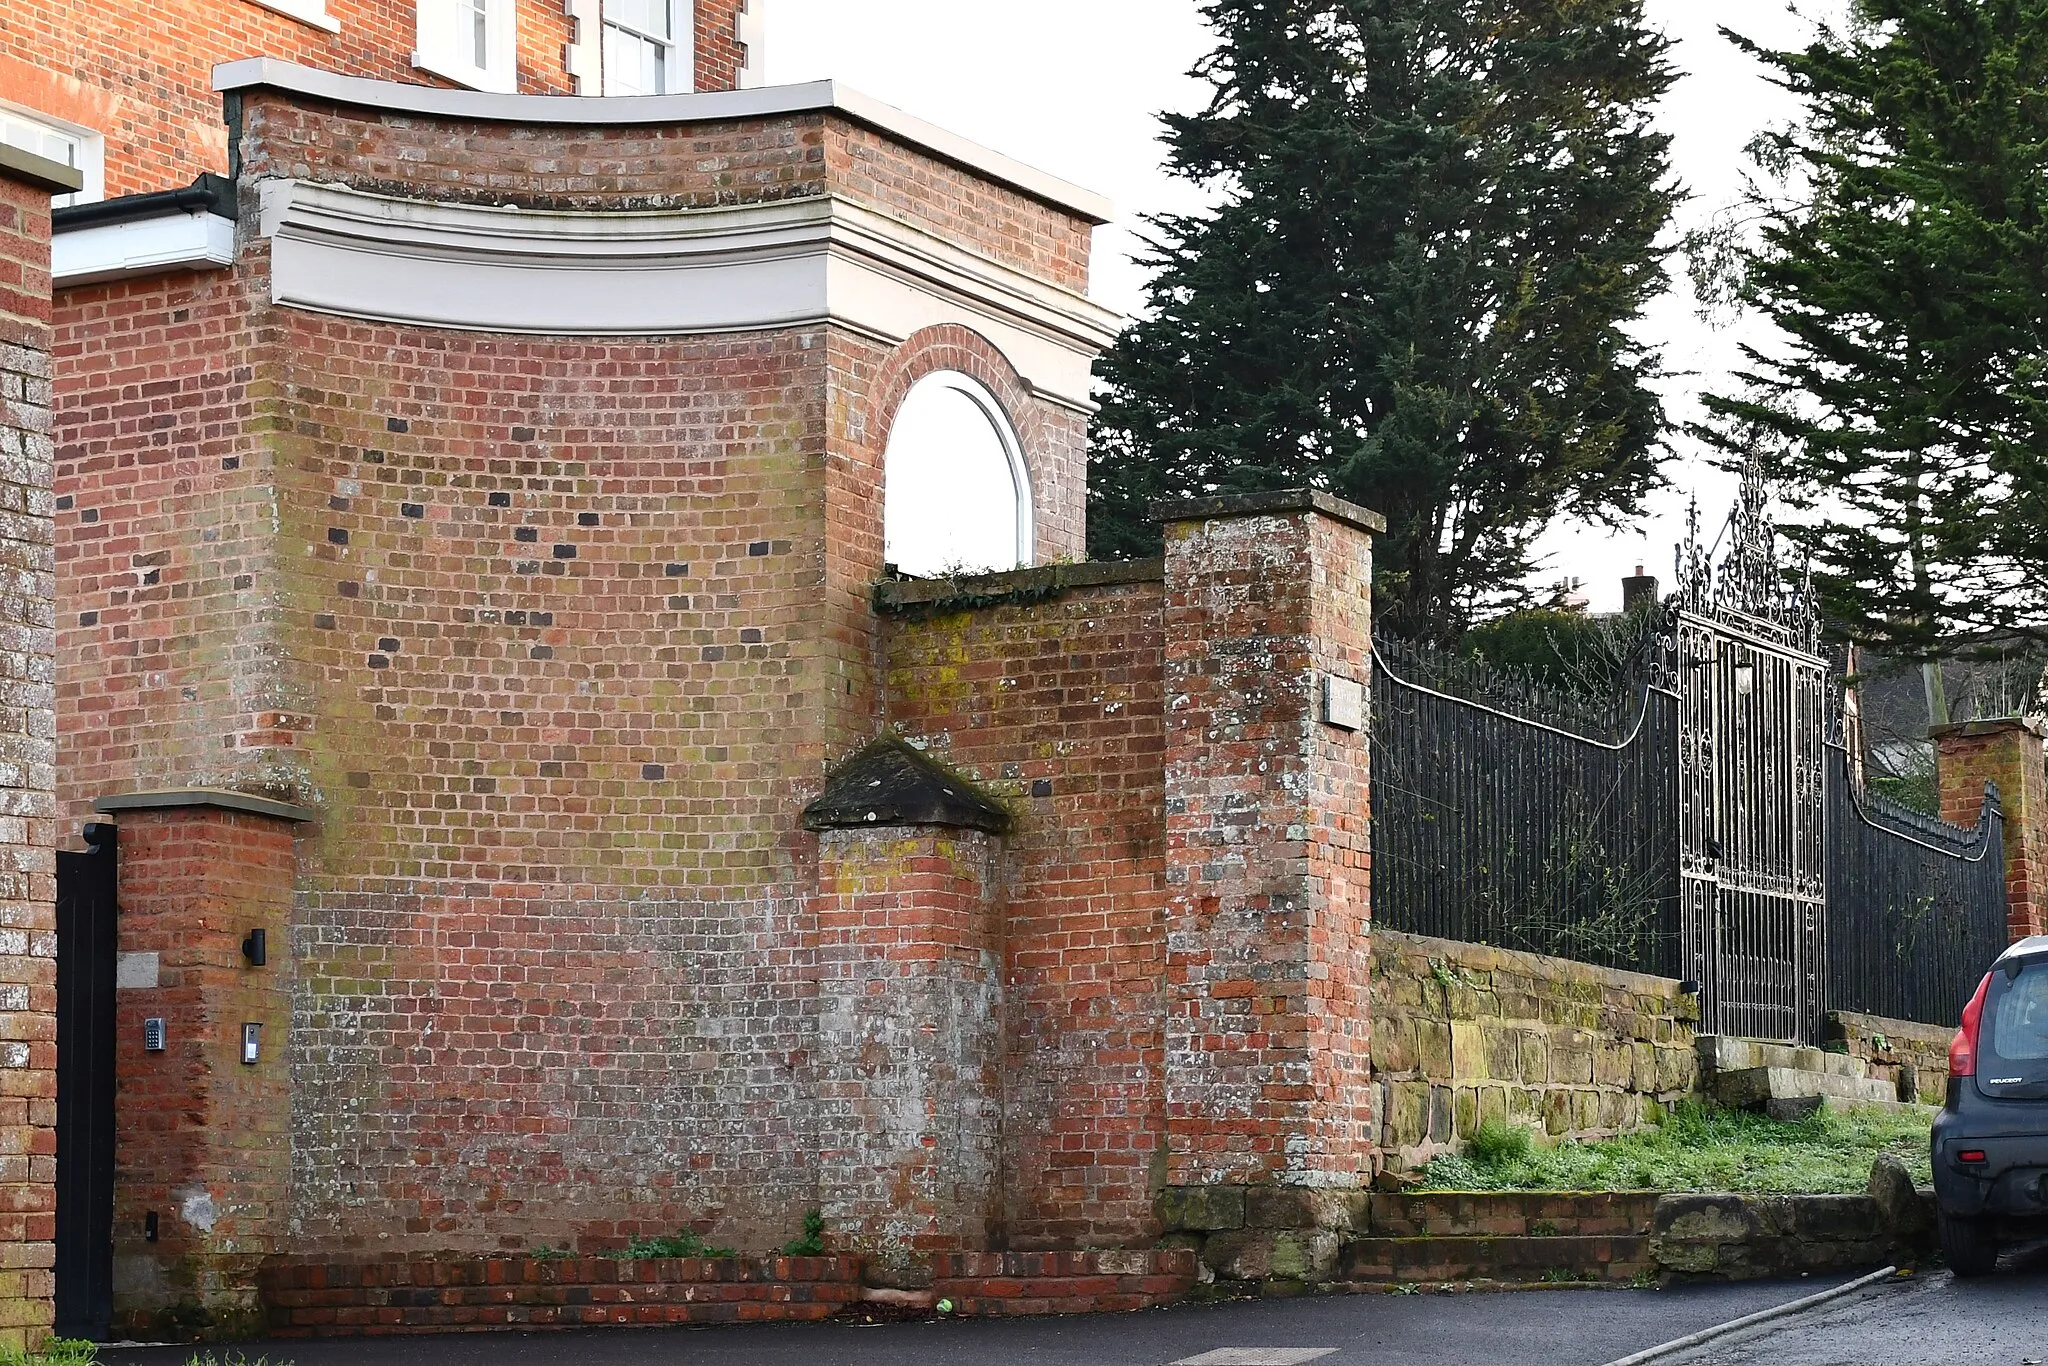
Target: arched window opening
(955,496)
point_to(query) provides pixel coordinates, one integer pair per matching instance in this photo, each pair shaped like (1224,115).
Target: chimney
(1638,591)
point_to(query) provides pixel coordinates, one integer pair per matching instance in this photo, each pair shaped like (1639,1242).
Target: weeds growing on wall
(1697,1148)
(811,1243)
(683,1244)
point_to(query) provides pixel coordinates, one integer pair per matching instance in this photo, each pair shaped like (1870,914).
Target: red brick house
(474,516)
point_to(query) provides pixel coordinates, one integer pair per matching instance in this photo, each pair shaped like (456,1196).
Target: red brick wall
(559,636)
(202,1139)
(719,52)
(143,77)
(28,993)
(909,1055)
(27,836)
(2009,754)
(1267,1020)
(1057,706)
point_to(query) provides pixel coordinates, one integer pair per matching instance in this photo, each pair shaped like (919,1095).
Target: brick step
(1382,1261)
(1725,1053)
(1762,1086)
(1513,1214)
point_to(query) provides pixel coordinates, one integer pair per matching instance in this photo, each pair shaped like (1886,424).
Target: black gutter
(212,193)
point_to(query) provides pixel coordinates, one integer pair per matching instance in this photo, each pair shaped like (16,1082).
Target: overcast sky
(1075,87)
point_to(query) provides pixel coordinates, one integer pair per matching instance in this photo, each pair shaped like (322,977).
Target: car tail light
(1970,1155)
(1962,1050)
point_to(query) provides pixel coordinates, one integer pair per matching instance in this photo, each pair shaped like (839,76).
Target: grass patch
(54,1352)
(1698,1149)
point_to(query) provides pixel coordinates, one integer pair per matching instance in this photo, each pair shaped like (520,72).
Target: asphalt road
(1934,1320)
(1530,1328)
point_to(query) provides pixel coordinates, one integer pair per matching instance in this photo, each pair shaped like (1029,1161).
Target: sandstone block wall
(1912,1056)
(28,886)
(1463,1033)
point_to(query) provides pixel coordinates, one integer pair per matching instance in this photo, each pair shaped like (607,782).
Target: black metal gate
(1753,697)
(86,927)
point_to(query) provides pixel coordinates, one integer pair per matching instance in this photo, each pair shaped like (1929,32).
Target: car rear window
(2013,1050)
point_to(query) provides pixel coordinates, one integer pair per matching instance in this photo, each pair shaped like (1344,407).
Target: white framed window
(956,497)
(471,42)
(649,47)
(61,142)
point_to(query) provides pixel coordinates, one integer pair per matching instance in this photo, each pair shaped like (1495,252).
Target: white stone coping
(621,110)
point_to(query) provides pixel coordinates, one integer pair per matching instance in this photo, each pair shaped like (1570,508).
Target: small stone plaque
(1343,702)
(133,970)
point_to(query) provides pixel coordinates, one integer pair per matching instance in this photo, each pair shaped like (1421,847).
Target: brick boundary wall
(2007,754)
(307,1297)
(28,835)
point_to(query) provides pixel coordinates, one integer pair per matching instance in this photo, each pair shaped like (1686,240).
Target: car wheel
(1968,1244)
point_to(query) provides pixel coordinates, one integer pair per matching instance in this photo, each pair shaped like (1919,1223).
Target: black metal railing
(1916,906)
(1507,815)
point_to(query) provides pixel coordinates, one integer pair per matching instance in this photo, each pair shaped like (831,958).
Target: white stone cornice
(666,273)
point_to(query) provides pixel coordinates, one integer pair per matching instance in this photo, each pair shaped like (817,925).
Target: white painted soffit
(623,110)
(143,246)
(665,273)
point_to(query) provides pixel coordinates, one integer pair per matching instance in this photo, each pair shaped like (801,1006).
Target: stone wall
(1913,1057)
(28,870)
(1463,1033)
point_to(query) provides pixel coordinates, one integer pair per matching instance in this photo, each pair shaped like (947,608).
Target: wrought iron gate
(1753,697)
(86,924)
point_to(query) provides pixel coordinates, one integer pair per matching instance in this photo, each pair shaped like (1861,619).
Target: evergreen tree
(1903,257)
(1438,218)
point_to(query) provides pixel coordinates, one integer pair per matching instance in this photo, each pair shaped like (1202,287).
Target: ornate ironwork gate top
(1748,589)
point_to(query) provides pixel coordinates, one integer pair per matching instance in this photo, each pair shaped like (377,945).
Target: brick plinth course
(28,938)
(2006,754)
(309,1297)
(1463,1033)
(1017,1283)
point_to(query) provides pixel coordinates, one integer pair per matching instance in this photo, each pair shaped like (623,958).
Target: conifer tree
(1903,256)
(1438,218)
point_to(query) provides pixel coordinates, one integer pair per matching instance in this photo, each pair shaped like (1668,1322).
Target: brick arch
(950,346)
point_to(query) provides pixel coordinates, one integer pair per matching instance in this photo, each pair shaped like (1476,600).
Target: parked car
(1990,1141)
